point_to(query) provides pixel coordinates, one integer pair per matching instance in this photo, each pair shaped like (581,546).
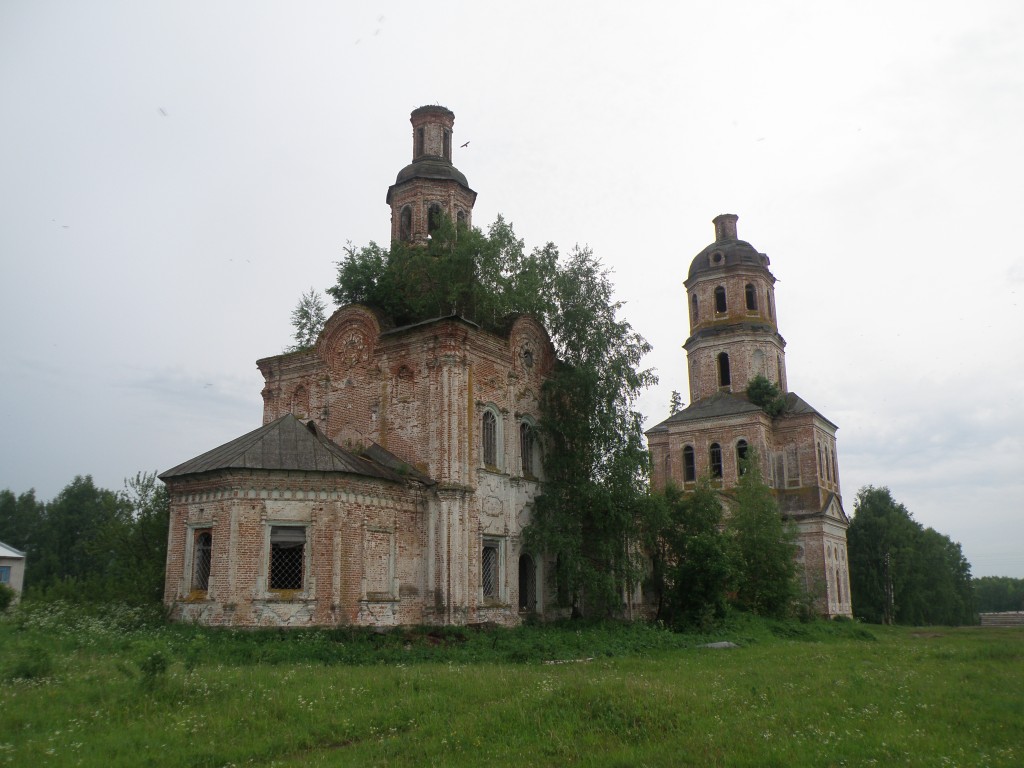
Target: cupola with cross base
(430,187)
(734,334)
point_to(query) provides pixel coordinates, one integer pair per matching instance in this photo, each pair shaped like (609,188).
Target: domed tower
(430,187)
(734,335)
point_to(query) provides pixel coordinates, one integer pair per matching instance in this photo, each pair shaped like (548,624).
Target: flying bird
(465,145)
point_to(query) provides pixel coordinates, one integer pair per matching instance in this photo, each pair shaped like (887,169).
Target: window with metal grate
(287,561)
(489,569)
(201,560)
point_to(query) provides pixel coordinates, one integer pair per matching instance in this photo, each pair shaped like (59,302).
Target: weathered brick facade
(395,469)
(733,338)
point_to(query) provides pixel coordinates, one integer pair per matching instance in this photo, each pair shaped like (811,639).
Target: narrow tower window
(689,465)
(405,231)
(420,142)
(460,218)
(716,460)
(448,145)
(751,298)
(433,217)
(724,379)
(694,312)
(719,299)
(768,301)
(741,457)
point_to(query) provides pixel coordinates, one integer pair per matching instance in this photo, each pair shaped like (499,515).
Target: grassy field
(119,688)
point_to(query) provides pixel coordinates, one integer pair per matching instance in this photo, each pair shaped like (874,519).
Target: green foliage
(998,593)
(675,403)
(308,320)
(763,546)
(594,506)
(594,502)
(481,277)
(90,543)
(7,595)
(766,396)
(793,694)
(901,572)
(693,555)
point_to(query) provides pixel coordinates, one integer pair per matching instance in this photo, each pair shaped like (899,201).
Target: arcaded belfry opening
(429,180)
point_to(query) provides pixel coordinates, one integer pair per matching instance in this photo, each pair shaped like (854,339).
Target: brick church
(734,337)
(394,470)
(396,465)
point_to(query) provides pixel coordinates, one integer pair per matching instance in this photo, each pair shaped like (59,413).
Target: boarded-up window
(287,556)
(792,467)
(378,565)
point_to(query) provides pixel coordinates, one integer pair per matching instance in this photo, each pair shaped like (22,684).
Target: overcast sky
(173,175)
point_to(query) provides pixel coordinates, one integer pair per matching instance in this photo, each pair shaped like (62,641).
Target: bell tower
(430,187)
(734,334)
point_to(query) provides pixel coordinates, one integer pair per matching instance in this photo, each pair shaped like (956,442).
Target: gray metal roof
(289,444)
(6,550)
(718,405)
(723,404)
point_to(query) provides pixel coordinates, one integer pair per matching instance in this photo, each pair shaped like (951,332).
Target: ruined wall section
(362,560)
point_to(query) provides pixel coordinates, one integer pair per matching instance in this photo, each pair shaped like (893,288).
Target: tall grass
(120,687)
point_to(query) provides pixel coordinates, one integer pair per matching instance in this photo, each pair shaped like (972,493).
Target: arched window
(668,467)
(768,301)
(433,217)
(694,312)
(489,438)
(716,460)
(420,142)
(460,218)
(447,145)
(201,560)
(828,466)
(724,379)
(720,299)
(835,468)
(741,457)
(689,465)
(821,465)
(751,298)
(405,226)
(527,446)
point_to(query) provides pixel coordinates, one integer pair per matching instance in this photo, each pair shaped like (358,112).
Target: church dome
(727,250)
(431,168)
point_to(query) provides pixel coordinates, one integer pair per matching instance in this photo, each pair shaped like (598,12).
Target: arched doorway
(527,584)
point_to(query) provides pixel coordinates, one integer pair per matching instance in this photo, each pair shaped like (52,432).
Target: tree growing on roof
(308,320)
(595,466)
